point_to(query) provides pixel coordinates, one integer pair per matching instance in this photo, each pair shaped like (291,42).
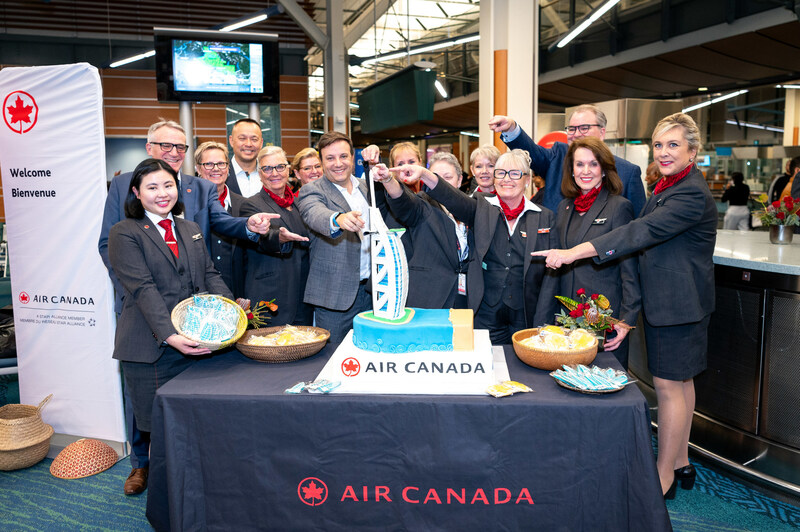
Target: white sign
(52,152)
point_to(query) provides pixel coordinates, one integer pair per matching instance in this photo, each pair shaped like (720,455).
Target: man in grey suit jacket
(585,121)
(335,209)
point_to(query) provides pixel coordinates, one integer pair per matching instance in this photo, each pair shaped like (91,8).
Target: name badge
(483,266)
(543,230)
(599,221)
(198,236)
(523,234)
(462,284)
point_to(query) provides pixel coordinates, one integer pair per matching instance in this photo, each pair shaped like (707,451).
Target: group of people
(245,233)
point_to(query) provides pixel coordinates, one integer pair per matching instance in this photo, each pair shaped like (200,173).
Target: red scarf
(508,212)
(584,202)
(285,201)
(223,196)
(668,180)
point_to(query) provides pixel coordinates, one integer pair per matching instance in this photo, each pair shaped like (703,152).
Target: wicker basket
(179,313)
(281,353)
(547,359)
(24,437)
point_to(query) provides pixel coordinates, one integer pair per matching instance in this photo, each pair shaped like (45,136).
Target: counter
(746,416)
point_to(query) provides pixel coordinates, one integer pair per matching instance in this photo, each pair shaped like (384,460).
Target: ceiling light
(702,89)
(754,126)
(787,86)
(592,17)
(470,134)
(245,22)
(417,50)
(440,88)
(714,100)
(121,62)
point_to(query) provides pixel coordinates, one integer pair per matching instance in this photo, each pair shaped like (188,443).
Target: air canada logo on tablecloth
(351,367)
(312,491)
(20,111)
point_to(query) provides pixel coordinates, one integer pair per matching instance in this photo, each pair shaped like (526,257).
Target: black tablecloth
(232,451)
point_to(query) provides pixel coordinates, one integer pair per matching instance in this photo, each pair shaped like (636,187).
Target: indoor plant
(780,216)
(593,313)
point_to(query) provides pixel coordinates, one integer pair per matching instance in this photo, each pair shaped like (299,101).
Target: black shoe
(686,475)
(670,494)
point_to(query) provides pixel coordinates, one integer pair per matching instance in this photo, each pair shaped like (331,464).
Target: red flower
(787,201)
(577,313)
(781,215)
(249,315)
(610,328)
(580,291)
(776,204)
(595,296)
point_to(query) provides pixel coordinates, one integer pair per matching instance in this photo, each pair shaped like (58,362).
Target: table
(231,451)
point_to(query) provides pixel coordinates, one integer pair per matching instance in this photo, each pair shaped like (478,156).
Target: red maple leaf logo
(20,112)
(312,491)
(24,298)
(350,367)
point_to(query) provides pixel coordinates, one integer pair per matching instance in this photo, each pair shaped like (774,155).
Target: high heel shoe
(686,475)
(670,494)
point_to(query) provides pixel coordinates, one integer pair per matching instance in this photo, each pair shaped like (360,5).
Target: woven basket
(24,437)
(179,313)
(281,353)
(547,359)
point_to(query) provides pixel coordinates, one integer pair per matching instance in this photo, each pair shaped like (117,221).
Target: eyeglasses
(210,166)
(167,146)
(309,168)
(278,167)
(583,128)
(499,174)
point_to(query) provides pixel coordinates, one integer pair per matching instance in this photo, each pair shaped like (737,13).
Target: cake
(418,330)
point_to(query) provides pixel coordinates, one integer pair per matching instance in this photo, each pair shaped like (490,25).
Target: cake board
(423,372)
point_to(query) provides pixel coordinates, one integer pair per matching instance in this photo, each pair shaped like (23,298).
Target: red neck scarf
(508,212)
(668,180)
(286,200)
(584,202)
(223,196)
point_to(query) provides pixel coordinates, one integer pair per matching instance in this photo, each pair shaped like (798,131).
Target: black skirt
(677,352)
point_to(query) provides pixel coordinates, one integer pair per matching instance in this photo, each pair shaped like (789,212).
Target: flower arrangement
(258,316)
(782,212)
(592,313)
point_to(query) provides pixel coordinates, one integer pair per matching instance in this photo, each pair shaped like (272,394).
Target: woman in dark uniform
(438,274)
(277,266)
(160,259)
(505,285)
(592,207)
(675,238)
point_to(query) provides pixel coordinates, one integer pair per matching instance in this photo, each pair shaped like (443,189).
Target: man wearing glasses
(585,121)
(246,141)
(166,140)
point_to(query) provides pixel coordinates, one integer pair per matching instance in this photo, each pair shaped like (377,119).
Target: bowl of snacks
(213,321)
(551,347)
(284,343)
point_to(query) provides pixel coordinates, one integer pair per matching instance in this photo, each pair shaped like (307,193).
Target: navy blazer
(674,238)
(549,162)
(539,283)
(278,271)
(433,272)
(227,253)
(150,277)
(618,280)
(232,182)
(201,205)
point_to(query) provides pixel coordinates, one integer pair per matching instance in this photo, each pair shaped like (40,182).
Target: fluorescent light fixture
(787,86)
(440,88)
(245,22)
(470,134)
(316,131)
(121,62)
(354,105)
(714,100)
(593,16)
(237,112)
(702,89)
(754,126)
(421,49)
(355,118)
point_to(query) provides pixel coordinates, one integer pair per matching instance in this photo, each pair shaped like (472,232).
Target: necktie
(169,238)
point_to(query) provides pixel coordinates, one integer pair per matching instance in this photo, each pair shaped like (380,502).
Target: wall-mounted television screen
(207,65)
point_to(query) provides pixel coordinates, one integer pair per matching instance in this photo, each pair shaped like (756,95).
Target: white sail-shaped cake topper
(389,265)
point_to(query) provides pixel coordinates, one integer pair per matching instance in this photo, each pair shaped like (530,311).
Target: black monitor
(215,66)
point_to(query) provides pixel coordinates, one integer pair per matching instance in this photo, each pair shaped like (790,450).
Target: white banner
(52,154)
